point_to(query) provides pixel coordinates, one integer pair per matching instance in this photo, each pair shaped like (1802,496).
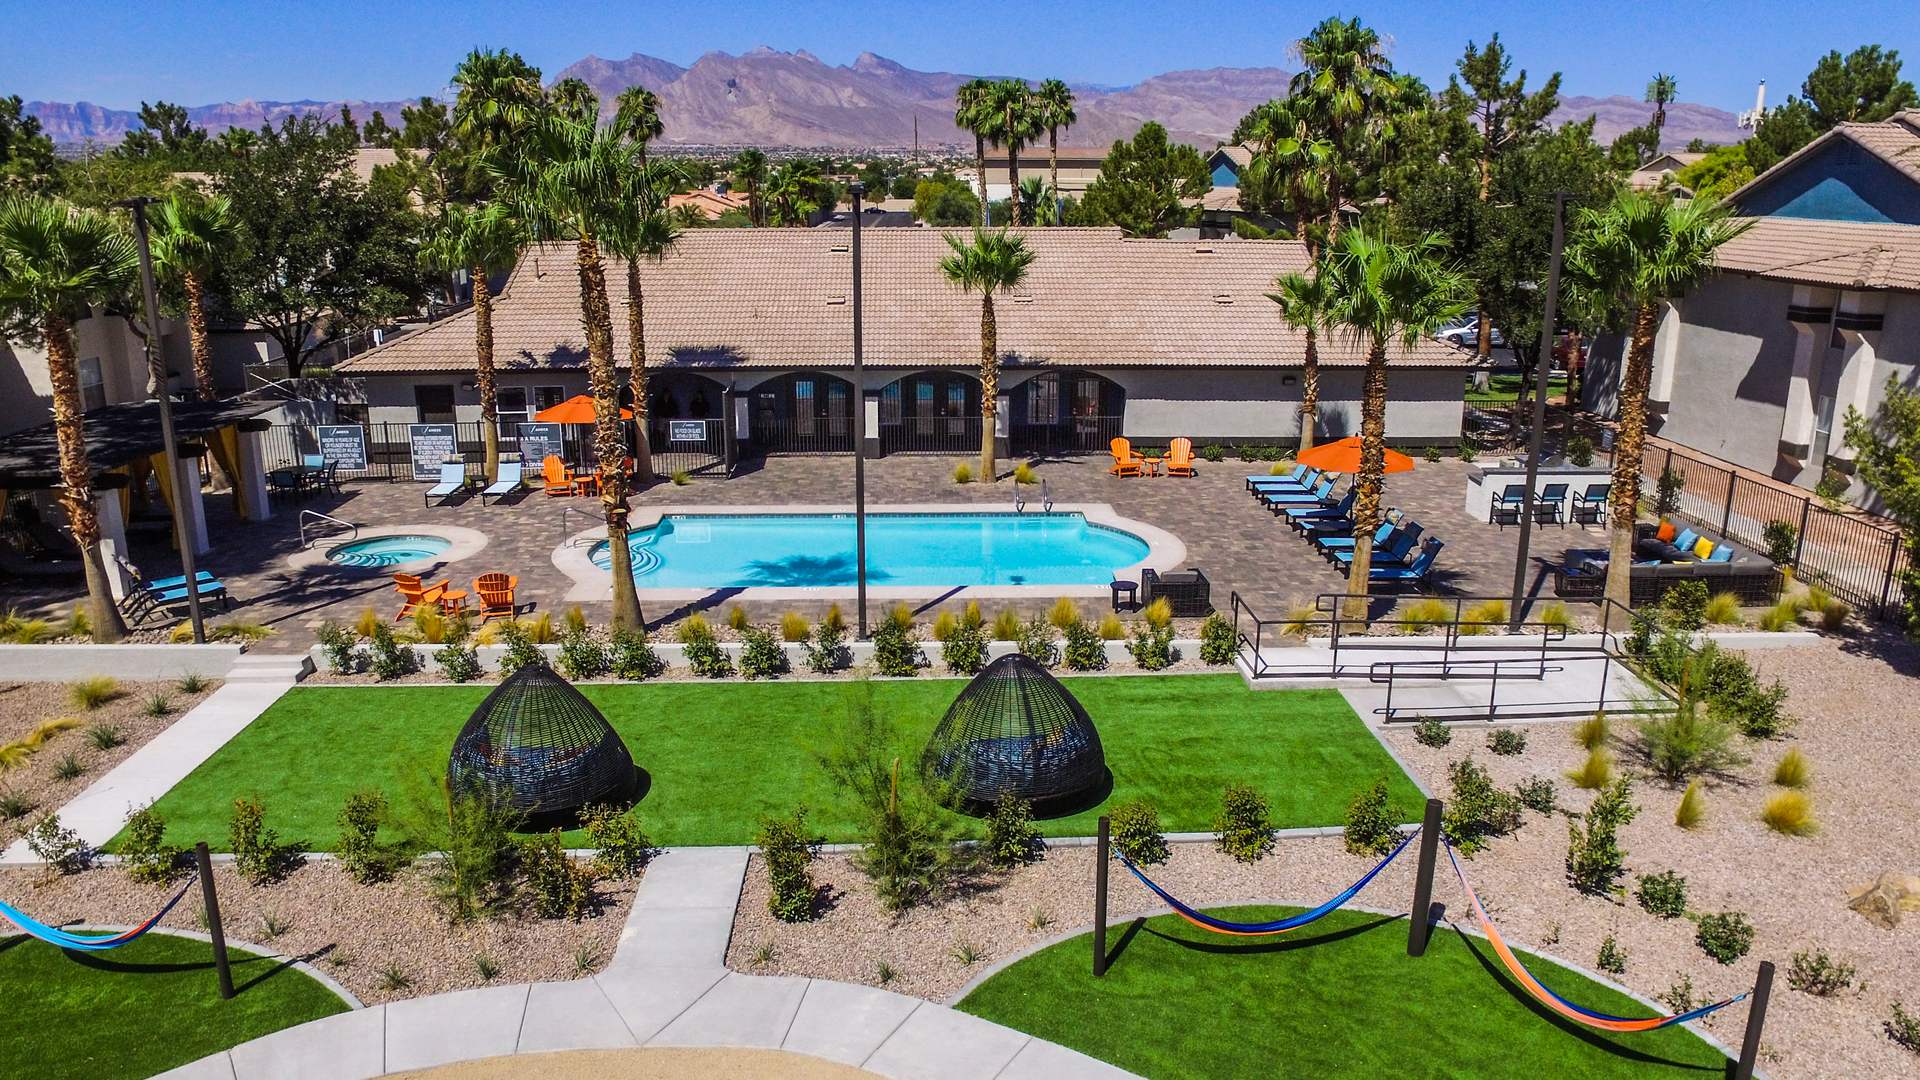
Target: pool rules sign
(431,444)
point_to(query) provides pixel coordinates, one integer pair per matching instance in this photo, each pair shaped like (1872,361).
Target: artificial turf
(1343,1001)
(140,1009)
(720,756)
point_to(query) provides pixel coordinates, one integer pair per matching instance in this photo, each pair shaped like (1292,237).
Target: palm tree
(192,234)
(497,94)
(1349,88)
(1661,92)
(1379,292)
(641,229)
(973,111)
(636,115)
(565,177)
(56,264)
(793,189)
(1638,254)
(1053,103)
(481,240)
(1289,167)
(993,262)
(1013,123)
(1303,303)
(575,100)
(750,172)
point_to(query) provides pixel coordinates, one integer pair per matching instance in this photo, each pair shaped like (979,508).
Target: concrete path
(667,985)
(97,813)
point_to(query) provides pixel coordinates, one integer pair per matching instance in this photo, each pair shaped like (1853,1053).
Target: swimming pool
(384,551)
(719,551)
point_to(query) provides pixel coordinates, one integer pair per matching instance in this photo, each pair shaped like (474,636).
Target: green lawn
(1505,389)
(719,756)
(1344,1002)
(140,1009)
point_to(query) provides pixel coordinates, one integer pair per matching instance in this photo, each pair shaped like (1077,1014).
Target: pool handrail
(319,521)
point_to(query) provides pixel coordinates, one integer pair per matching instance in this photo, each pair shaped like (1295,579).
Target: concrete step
(271,668)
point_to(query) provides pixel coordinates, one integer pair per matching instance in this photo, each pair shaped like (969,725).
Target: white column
(1666,356)
(1796,426)
(186,492)
(252,481)
(1854,388)
(113,539)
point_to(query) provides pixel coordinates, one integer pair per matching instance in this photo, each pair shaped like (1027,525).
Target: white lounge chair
(508,484)
(453,480)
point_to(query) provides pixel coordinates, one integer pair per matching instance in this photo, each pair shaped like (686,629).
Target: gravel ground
(1853,696)
(354,933)
(25,705)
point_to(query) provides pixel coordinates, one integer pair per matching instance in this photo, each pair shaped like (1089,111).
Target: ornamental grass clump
(1370,828)
(1781,616)
(1134,830)
(1111,628)
(1595,772)
(1158,614)
(1484,617)
(794,628)
(91,693)
(1790,813)
(1723,609)
(1012,839)
(1792,770)
(1063,614)
(1245,827)
(788,856)
(1216,640)
(1425,615)
(737,619)
(943,625)
(1007,626)
(1023,474)
(1555,616)
(1693,807)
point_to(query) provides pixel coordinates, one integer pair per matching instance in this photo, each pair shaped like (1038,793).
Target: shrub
(1012,838)
(1432,731)
(1370,828)
(69,767)
(1666,497)
(761,657)
(145,851)
(389,659)
(1595,772)
(1903,1028)
(258,853)
(1245,828)
(965,650)
(561,887)
(339,648)
(632,657)
(1023,474)
(1159,614)
(521,650)
(1134,830)
(1152,649)
(1085,650)
(1693,807)
(1814,972)
(1507,742)
(1790,813)
(963,473)
(459,663)
(1680,997)
(895,651)
(703,651)
(1467,452)
(1111,628)
(90,694)
(788,853)
(582,656)
(1594,859)
(1537,794)
(106,736)
(1723,609)
(828,652)
(1211,452)
(58,846)
(1687,743)
(907,848)
(1036,643)
(474,876)
(1477,811)
(1591,733)
(1781,538)
(1216,640)
(1612,959)
(361,853)
(1663,895)
(1063,614)
(794,627)
(1580,451)
(1007,626)
(1779,617)
(1725,936)
(1792,770)
(623,848)
(1685,605)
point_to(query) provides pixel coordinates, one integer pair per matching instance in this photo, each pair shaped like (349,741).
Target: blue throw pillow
(1723,553)
(1685,540)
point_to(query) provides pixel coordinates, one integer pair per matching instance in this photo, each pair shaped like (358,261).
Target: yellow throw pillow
(1703,548)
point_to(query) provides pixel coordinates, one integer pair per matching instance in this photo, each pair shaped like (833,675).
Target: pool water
(383,551)
(718,551)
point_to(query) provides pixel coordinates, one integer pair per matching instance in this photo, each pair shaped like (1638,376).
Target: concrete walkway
(667,985)
(97,813)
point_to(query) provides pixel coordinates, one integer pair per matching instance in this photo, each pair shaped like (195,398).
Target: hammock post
(1756,1020)
(214,930)
(1100,900)
(1419,920)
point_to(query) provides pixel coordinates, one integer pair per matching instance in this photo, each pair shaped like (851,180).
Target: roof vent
(1222,298)
(1203,250)
(838,299)
(1023,299)
(839,246)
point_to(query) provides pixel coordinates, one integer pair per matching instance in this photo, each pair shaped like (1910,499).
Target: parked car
(1467,336)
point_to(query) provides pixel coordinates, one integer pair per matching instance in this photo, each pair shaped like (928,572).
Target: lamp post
(857,189)
(157,375)
(1541,377)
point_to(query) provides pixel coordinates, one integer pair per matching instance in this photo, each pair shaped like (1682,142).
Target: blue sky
(117,54)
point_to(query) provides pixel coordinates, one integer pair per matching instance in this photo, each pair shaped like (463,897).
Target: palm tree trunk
(1053,170)
(1013,175)
(980,163)
(1373,470)
(637,336)
(1630,438)
(989,385)
(596,318)
(483,379)
(197,334)
(1310,391)
(76,479)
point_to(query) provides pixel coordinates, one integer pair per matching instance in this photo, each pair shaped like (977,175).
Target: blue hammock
(1277,926)
(57,937)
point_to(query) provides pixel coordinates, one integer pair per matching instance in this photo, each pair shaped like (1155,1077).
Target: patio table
(453,601)
(1153,464)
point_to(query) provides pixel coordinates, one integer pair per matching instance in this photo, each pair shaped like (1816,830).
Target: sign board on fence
(686,431)
(431,445)
(343,444)
(540,441)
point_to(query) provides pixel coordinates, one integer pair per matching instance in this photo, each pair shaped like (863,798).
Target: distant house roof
(1895,141)
(1239,154)
(1658,172)
(871,217)
(1078,156)
(1834,254)
(724,298)
(368,158)
(710,203)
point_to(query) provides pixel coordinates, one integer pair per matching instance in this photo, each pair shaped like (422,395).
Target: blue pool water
(383,551)
(719,551)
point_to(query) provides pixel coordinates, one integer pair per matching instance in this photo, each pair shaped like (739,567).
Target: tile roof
(779,298)
(1895,140)
(1836,254)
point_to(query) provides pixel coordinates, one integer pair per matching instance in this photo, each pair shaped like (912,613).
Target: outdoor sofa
(1661,561)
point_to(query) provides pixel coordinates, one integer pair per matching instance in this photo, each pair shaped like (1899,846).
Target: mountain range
(766,97)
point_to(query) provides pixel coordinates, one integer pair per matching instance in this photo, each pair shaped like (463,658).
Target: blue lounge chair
(1304,482)
(1391,551)
(508,483)
(1329,543)
(168,595)
(453,480)
(1299,476)
(1415,573)
(1300,516)
(1317,497)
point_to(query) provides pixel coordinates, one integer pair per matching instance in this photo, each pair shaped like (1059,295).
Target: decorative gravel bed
(357,934)
(23,706)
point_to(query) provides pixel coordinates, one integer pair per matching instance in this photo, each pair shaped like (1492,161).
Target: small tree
(1245,828)
(1370,829)
(788,853)
(1594,859)
(1012,839)
(1887,451)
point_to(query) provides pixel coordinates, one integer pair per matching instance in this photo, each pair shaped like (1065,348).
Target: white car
(1467,335)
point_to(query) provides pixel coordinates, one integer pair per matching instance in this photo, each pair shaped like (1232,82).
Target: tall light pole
(157,375)
(1542,369)
(857,189)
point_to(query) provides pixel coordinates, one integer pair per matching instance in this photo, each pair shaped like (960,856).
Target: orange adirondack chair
(496,595)
(1180,457)
(1125,461)
(554,472)
(415,594)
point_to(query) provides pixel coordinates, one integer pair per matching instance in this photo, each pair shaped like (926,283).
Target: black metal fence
(931,435)
(1855,558)
(801,435)
(389,452)
(1078,435)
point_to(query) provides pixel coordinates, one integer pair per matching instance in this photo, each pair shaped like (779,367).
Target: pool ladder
(567,513)
(319,522)
(1020,499)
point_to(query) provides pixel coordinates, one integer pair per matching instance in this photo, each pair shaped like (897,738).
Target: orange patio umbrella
(1344,457)
(575,410)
